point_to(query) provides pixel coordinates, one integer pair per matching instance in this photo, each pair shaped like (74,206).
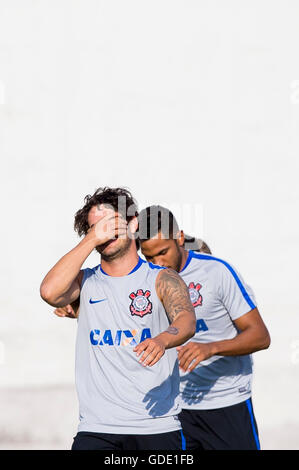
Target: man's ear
(133,225)
(181,238)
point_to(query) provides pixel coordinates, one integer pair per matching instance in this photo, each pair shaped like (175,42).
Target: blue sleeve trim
(233,272)
(155,266)
(87,273)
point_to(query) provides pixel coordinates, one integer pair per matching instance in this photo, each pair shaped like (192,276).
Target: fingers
(111,226)
(60,312)
(141,347)
(153,358)
(190,356)
(66,311)
(194,364)
(148,355)
(150,352)
(70,311)
(186,358)
(183,351)
(105,211)
(114,220)
(121,231)
(109,223)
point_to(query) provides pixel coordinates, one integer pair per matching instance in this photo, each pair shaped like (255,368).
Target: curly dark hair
(119,198)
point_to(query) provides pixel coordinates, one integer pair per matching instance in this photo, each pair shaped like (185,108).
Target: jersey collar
(140,262)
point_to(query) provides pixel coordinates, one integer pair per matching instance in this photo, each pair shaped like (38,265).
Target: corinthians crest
(195,296)
(140,305)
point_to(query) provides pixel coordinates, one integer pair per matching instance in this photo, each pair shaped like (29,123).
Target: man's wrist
(214,348)
(168,336)
(91,239)
(164,338)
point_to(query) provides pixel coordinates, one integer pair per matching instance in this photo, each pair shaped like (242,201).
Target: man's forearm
(179,331)
(175,297)
(59,279)
(246,342)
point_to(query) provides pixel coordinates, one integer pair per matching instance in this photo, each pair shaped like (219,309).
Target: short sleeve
(87,273)
(236,296)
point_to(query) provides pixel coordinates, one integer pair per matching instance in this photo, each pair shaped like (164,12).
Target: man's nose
(159,262)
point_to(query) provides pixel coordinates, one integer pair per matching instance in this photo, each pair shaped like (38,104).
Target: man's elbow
(264,342)
(47,294)
(192,327)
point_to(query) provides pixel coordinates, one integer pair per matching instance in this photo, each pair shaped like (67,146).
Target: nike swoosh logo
(96,301)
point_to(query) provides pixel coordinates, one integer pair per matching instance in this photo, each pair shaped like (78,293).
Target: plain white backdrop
(186,103)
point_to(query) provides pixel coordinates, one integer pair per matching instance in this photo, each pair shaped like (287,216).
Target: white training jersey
(116,393)
(219,296)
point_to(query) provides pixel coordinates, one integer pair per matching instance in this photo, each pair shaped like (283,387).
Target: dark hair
(119,198)
(155,219)
(196,244)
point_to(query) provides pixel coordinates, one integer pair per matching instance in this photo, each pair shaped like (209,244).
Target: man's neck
(185,254)
(121,266)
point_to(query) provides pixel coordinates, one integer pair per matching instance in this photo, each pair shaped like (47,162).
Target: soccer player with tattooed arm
(133,315)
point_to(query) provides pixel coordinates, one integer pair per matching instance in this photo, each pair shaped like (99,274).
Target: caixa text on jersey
(119,337)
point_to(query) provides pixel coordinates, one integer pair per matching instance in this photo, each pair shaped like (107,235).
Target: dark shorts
(230,428)
(102,441)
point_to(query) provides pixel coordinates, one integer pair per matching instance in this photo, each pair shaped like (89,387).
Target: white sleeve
(236,296)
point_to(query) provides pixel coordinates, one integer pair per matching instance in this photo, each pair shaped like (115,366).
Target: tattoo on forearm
(174,293)
(172,330)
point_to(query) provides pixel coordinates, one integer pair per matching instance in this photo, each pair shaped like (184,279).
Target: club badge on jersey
(140,305)
(195,296)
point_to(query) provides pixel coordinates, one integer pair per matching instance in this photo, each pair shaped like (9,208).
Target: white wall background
(184,102)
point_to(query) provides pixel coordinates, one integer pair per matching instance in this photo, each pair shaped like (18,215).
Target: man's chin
(110,245)
(113,249)
(105,247)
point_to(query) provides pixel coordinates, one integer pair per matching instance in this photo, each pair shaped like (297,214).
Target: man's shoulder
(87,273)
(208,261)
(215,267)
(91,270)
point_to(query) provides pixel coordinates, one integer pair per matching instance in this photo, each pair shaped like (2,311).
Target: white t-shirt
(219,296)
(116,393)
